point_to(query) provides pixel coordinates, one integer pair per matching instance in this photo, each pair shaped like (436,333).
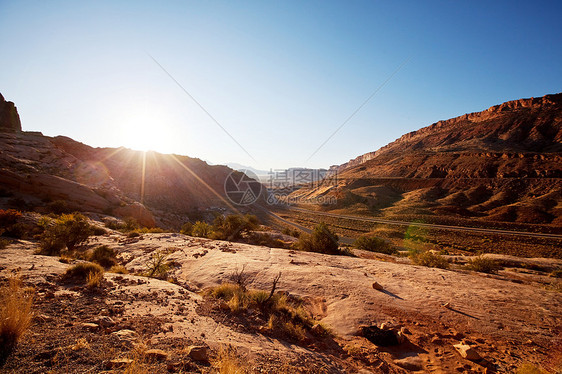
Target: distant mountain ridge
(502,164)
(518,126)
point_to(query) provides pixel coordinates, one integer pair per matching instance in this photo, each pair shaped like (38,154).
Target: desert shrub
(429,259)
(285,318)
(4,243)
(18,230)
(82,271)
(201,229)
(68,230)
(98,231)
(157,266)
(265,239)
(113,224)
(118,269)
(9,217)
(59,207)
(374,244)
(291,232)
(131,224)
(483,265)
(233,226)
(321,240)
(103,255)
(15,315)
(187,228)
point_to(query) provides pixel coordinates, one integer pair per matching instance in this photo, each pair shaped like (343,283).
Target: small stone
(106,322)
(385,326)
(412,363)
(90,326)
(118,363)
(447,305)
(467,352)
(156,355)
(405,330)
(317,329)
(197,352)
(125,334)
(401,338)
(377,286)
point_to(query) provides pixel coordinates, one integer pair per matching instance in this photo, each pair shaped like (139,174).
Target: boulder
(466,351)
(198,353)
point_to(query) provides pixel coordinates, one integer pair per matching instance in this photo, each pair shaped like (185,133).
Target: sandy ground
(508,321)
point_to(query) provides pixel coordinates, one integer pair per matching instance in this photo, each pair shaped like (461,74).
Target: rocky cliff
(9,117)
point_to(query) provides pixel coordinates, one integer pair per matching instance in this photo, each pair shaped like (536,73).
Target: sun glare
(145,130)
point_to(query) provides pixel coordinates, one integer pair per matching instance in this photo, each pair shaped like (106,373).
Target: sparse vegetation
(187,228)
(83,272)
(103,255)
(201,229)
(68,230)
(374,244)
(157,266)
(4,243)
(321,240)
(226,361)
(483,265)
(15,315)
(286,318)
(233,226)
(118,269)
(291,232)
(429,259)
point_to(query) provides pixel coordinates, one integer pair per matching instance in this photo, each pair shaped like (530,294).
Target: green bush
(233,226)
(374,244)
(104,256)
(429,259)
(187,228)
(157,266)
(321,240)
(201,229)
(483,265)
(67,231)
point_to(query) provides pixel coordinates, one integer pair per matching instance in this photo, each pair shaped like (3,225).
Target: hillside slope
(501,164)
(36,170)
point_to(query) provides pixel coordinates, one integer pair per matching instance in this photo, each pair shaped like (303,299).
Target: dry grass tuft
(429,259)
(228,362)
(94,280)
(15,315)
(119,269)
(85,272)
(483,265)
(139,365)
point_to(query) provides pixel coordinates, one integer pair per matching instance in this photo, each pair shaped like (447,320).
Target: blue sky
(279,76)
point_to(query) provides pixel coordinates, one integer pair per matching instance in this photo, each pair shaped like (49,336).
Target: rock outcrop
(9,117)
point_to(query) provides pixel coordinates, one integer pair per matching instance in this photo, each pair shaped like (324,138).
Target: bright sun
(145,130)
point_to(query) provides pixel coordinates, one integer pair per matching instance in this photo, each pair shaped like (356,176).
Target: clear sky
(279,76)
